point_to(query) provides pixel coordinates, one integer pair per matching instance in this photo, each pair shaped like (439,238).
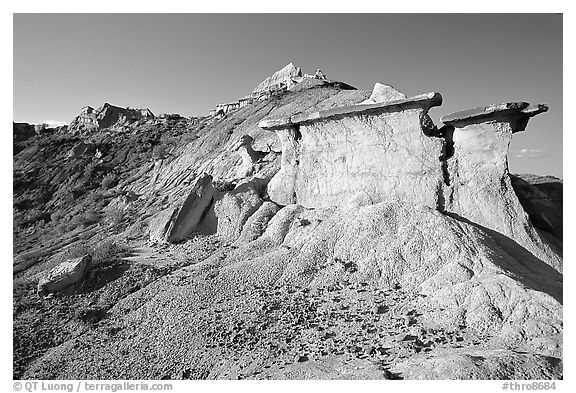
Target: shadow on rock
(103,274)
(529,270)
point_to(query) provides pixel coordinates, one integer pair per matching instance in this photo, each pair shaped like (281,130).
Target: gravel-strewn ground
(210,328)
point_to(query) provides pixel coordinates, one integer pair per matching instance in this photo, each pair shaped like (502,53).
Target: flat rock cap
(423,100)
(491,112)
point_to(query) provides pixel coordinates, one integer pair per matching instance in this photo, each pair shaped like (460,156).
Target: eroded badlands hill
(316,232)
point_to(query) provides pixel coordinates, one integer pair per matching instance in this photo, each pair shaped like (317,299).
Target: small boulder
(65,274)
(384,93)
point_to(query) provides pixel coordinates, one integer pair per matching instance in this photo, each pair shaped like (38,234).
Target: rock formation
(319,74)
(208,209)
(176,224)
(331,156)
(107,116)
(282,80)
(279,80)
(235,208)
(384,93)
(258,222)
(350,156)
(391,150)
(477,183)
(248,154)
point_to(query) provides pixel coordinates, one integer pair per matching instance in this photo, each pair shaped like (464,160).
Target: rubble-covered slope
(381,283)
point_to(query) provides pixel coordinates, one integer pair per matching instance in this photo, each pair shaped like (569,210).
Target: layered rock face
(372,151)
(209,209)
(281,78)
(107,116)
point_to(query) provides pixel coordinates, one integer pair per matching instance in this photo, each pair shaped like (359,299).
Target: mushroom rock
(477,183)
(391,150)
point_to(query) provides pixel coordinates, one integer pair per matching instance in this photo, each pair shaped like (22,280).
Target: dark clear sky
(187,63)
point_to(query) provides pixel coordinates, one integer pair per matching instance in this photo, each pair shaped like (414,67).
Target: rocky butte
(107,116)
(314,231)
